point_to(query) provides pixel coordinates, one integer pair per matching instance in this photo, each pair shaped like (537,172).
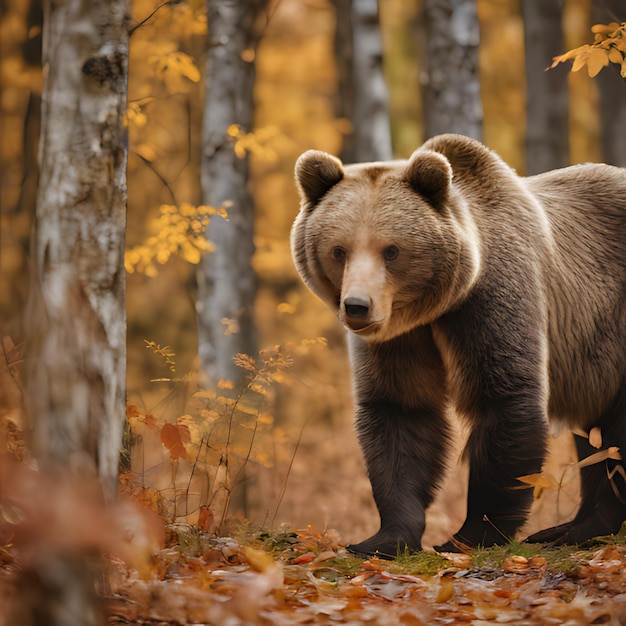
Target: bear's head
(389,246)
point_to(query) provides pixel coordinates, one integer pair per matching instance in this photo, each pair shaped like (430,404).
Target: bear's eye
(391,252)
(339,253)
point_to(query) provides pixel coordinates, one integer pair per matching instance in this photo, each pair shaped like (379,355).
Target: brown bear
(466,286)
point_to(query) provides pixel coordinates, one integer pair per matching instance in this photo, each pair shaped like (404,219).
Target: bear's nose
(356,307)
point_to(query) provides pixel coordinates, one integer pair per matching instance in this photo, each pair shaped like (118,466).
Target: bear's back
(585,274)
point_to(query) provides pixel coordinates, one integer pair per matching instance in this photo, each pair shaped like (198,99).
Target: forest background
(295,459)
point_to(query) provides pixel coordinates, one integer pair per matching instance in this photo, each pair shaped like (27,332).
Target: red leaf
(171,438)
(205,518)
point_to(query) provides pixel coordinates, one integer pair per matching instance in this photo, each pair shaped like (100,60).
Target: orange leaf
(205,518)
(171,438)
(307,557)
(539,482)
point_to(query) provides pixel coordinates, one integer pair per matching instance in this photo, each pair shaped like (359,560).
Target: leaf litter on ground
(307,577)
(181,574)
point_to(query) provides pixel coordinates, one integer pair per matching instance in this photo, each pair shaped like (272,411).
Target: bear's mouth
(362,328)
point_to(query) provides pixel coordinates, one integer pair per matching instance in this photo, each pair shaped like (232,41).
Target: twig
(284,486)
(158,174)
(151,15)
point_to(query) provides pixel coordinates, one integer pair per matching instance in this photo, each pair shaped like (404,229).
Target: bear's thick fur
(467,286)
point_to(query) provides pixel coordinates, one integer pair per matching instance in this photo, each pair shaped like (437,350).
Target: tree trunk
(547,126)
(363,97)
(344,97)
(226,279)
(612,90)
(77,320)
(451,85)
(372,133)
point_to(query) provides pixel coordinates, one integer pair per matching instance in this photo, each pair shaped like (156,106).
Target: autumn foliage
(609,46)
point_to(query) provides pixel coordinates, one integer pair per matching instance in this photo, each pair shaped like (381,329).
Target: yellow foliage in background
(262,143)
(177,230)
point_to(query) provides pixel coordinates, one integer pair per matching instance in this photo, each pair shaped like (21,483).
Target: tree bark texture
(77,318)
(362,95)
(451,84)
(226,279)
(372,132)
(612,90)
(547,124)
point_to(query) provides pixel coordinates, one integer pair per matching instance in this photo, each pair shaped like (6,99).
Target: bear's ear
(316,172)
(430,174)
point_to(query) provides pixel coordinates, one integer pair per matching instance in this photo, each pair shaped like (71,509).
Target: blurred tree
(226,279)
(451,84)
(77,321)
(547,127)
(362,92)
(612,90)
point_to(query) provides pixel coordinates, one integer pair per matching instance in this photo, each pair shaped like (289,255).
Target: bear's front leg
(405,454)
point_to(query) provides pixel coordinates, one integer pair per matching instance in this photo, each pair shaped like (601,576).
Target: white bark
(451,85)
(362,95)
(372,132)
(226,280)
(77,309)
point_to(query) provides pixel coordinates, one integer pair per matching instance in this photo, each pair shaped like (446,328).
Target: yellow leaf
(186,66)
(595,437)
(598,58)
(610,453)
(163,255)
(539,482)
(233,130)
(604,29)
(615,56)
(580,59)
(259,560)
(190,253)
(571,54)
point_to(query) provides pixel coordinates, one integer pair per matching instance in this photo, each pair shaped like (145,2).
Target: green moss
(490,558)
(347,564)
(419,563)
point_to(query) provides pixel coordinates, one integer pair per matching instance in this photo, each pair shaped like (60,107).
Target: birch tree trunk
(547,96)
(362,89)
(451,84)
(77,321)
(226,280)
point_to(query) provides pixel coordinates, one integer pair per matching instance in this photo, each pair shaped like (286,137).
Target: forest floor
(307,577)
(289,577)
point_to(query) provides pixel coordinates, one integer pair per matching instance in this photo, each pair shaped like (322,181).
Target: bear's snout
(356,308)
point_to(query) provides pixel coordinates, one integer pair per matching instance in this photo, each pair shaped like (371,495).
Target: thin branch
(151,15)
(158,174)
(284,485)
